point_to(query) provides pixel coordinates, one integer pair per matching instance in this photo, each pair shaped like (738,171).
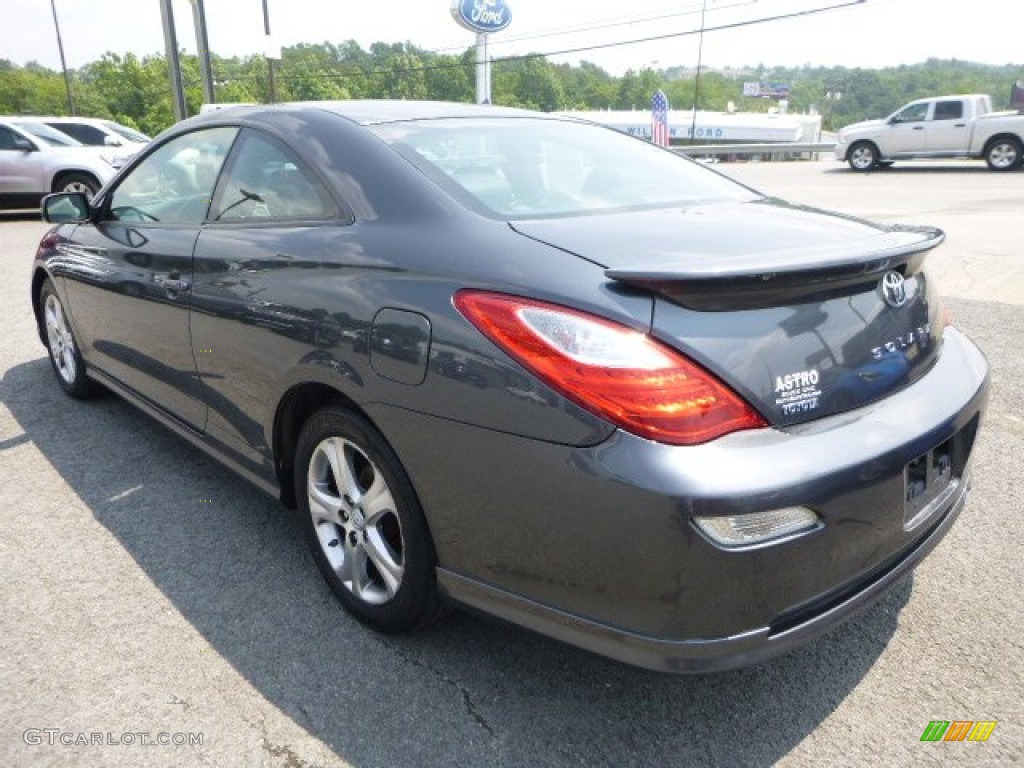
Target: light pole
(203,47)
(63,63)
(173,60)
(833,94)
(270,60)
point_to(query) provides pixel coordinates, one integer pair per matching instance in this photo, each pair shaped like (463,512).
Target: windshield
(48,135)
(124,131)
(535,167)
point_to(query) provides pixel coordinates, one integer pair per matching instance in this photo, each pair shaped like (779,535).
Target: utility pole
(173,60)
(63,63)
(203,46)
(696,85)
(270,59)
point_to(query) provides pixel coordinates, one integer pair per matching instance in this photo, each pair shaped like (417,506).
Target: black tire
(1004,153)
(363,522)
(862,156)
(65,357)
(77,182)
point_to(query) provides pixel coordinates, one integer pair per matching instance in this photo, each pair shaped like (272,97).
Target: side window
(84,133)
(174,184)
(265,180)
(948,110)
(912,114)
(915,113)
(6,138)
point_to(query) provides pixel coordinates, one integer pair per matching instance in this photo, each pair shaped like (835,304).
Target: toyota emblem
(894,289)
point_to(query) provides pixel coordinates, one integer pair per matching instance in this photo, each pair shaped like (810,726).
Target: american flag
(659,119)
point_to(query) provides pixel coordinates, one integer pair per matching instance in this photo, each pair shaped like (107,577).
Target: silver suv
(96,132)
(36,160)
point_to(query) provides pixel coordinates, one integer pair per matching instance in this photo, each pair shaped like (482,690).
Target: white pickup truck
(943,127)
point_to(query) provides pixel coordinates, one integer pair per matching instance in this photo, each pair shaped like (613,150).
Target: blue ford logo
(482,15)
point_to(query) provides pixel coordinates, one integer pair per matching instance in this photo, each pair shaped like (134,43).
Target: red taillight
(622,375)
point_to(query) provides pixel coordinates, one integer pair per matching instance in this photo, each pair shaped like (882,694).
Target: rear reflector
(613,371)
(756,528)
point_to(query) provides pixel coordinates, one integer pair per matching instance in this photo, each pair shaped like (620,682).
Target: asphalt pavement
(147,594)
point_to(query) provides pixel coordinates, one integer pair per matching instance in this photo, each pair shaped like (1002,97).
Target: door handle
(960,125)
(918,127)
(172,284)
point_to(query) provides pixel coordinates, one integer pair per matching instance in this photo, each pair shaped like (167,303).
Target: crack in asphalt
(467,699)
(291,760)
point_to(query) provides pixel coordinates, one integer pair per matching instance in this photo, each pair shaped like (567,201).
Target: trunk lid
(802,312)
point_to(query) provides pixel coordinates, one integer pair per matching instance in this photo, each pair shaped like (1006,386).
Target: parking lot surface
(150,595)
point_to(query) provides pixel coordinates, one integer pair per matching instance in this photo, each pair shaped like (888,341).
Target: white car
(96,132)
(36,160)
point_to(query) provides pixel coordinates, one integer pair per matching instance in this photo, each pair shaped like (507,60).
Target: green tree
(136,90)
(32,89)
(530,83)
(637,88)
(312,73)
(588,86)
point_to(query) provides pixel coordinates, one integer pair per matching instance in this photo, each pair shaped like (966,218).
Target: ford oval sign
(482,15)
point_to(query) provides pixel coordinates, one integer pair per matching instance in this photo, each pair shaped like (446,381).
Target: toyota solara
(529,365)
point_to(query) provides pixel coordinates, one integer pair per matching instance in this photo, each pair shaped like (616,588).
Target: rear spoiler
(763,279)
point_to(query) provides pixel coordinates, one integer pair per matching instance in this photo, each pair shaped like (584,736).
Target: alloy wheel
(60,340)
(355,520)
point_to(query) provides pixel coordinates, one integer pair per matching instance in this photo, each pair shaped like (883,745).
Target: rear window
(948,110)
(124,131)
(82,132)
(533,167)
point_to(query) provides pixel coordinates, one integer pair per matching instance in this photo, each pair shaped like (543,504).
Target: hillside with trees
(135,90)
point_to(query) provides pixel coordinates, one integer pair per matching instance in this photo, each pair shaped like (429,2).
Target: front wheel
(65,357)
(863,156)
(77,182)
(363,522)
(1004,154)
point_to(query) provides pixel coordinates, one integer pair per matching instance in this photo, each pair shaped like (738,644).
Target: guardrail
(785,147)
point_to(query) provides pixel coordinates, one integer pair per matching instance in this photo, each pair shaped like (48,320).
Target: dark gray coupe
(530,365)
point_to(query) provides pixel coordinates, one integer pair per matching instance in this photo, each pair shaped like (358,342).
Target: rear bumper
(597,546)
(698,656)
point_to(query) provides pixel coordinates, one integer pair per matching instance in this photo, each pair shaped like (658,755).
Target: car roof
(17,121)
(374,111)
(97,121)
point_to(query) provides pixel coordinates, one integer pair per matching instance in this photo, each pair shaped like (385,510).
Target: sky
(871,34)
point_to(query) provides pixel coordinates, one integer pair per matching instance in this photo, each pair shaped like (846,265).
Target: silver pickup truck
(945,127)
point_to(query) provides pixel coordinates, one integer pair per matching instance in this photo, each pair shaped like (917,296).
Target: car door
(21,169)
(129,275)
(948,133)
(275,238)
(905,132)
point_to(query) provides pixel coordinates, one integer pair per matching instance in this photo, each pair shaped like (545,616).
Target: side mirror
(24,144)
(65,206)
(110,141)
